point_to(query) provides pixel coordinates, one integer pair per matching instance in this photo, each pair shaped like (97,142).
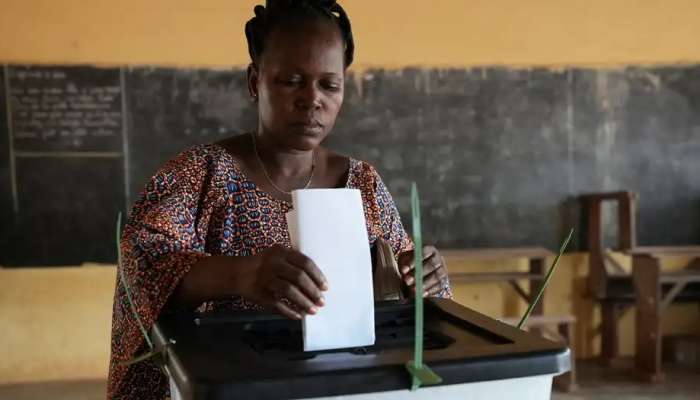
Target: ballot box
(240,355)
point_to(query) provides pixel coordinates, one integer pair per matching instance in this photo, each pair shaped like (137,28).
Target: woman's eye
(290,82)
(332,87)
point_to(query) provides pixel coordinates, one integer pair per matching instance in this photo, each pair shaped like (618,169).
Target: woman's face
(299,83)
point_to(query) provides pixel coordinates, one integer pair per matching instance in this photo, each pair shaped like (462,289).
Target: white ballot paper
(328,226)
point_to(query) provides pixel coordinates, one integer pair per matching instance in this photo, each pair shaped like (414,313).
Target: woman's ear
(253,76)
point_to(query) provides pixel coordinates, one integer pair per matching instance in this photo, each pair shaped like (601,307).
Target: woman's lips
(308,122)
(308,127)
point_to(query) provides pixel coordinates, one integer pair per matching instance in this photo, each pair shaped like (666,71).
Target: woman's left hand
(434,270)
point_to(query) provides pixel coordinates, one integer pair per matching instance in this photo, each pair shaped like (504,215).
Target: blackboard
(65,109)
(68,209)
(6,202)
(486,147)
(170,110)
(64,184)
(500,155)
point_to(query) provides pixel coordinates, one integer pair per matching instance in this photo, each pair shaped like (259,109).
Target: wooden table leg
(609,348)
(646,273)
(536,266)
(567,382)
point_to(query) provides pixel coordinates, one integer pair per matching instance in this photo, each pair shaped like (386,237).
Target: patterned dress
(200,204)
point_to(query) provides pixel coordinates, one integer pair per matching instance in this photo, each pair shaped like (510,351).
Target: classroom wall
(55,322)
(390,33)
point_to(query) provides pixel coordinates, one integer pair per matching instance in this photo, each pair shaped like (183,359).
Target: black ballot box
(246,355)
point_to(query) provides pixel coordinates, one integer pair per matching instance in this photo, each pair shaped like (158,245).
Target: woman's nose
(310,97)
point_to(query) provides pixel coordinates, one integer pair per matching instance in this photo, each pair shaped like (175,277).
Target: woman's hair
(280,12)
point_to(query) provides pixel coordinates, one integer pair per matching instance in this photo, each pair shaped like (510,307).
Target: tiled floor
(683,383)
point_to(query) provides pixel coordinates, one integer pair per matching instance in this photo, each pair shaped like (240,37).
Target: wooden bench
(647,287)
(537,257)
(565,331)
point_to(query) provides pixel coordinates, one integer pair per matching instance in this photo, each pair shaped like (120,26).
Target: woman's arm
(213,278)
(267,278)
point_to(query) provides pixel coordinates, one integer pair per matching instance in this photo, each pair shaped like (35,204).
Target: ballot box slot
(278,337)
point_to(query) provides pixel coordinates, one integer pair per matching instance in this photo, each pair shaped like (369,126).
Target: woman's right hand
(281,274)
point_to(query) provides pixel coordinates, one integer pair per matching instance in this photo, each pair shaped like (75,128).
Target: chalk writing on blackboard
(65,109)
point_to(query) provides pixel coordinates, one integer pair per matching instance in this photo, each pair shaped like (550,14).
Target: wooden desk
(536,256)
(654,291)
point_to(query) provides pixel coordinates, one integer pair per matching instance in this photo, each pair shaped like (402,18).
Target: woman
(209,230)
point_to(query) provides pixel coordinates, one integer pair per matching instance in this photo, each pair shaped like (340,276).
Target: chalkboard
(487,148)
(500,155)
(170,110)
(65,109)
(640,130)
(68,210)
(6,203)
(65,181)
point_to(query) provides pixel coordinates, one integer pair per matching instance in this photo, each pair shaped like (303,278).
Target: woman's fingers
(290,282)
(433,283)
(406,259)
(441,277)
(433,291)
(430,264)
(272,300)
(285,289)
(300,278)
(434,271)
(429,252)
(286,310)
(307,265)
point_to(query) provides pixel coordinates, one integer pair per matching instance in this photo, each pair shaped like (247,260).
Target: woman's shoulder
(198,159)
(362,167)
(341,166)
(192,168)
(362,174)
(206,152)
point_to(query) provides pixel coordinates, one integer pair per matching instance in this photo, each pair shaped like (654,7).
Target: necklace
(267,176)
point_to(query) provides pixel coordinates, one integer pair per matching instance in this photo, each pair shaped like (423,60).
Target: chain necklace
(267,176)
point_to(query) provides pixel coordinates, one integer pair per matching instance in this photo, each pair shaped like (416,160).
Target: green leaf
(546,280)
(122,279)
(420,373)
